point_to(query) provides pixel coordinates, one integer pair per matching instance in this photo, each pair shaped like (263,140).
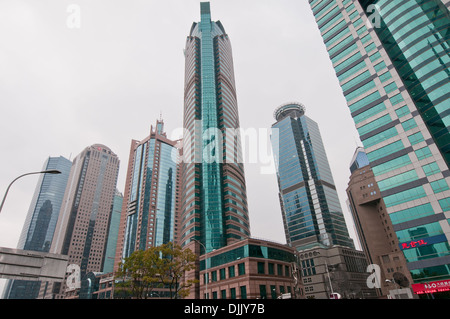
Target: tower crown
(293,109)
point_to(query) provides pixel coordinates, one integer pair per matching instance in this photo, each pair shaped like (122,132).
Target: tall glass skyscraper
(392,60)
(311,211)
(213,191)
(40,223)
(148,212)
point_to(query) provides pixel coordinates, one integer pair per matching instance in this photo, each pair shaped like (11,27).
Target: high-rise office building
(213,208)
(392,61)
(148,213)
(82,228)
(113,233)
(39,226)
(310,206)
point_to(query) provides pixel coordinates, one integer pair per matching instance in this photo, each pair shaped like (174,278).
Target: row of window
(265,291)
(230,272)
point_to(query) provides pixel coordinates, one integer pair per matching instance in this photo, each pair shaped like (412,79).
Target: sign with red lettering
(431,287)
(413,244)
(423,242)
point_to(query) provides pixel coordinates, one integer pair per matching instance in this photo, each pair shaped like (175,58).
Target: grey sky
(62,89)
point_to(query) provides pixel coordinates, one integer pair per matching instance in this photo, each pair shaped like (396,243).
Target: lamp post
(392,281)
(206,267)
(50,171)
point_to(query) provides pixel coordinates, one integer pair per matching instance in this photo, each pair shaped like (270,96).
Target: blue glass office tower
(150,192)
(40,223)
(213,192)
(311,211)
(392,61)
(113,233)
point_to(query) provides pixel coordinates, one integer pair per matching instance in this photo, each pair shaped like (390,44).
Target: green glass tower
(213,193)
(392,60)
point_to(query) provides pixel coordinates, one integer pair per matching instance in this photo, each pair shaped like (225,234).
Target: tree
(172,267)
(138,273)
(156,267)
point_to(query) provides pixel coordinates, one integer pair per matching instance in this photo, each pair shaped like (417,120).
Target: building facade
(392,61)
(250,269)
(39,226)
(113,233)
(334,272)
(213,207)
(83,224)
(148,210)
(309,202)
(374,227)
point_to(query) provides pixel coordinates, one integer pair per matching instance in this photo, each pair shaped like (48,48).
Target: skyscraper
(83,223)
(213,192)
(310,206)
(39,226)
(392,61)
(148,213)
(113,233)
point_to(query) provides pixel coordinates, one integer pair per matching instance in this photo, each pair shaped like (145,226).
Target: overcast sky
(65,86)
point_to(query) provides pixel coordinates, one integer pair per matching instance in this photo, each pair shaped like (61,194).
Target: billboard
(431,287)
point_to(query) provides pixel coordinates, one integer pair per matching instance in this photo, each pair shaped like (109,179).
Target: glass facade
(246,251)
(359,160)
(392,61)
(40,223)
(113,233)
(213,196)
(151,203)
(309,201)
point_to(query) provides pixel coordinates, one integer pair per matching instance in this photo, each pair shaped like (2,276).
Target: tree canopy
(157,267)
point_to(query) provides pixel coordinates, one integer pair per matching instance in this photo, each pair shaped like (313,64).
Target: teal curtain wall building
(310,207)
(213,196)
(392,60)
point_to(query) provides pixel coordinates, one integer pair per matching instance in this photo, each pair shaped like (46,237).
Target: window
(416,138)
(423,153)
(241,269)
(409,124)
(233,293)
(262,291)
(431,169)
(273,292)
(243,292)
(261,267)
(439,186)
(280,270)
(271,269)
(390,87)
(231,272)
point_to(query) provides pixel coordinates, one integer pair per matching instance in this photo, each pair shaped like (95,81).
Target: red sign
(413,244)
(430,287)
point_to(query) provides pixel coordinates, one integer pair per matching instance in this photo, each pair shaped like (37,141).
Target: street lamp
(50,171)
(206,267)
(392,281)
